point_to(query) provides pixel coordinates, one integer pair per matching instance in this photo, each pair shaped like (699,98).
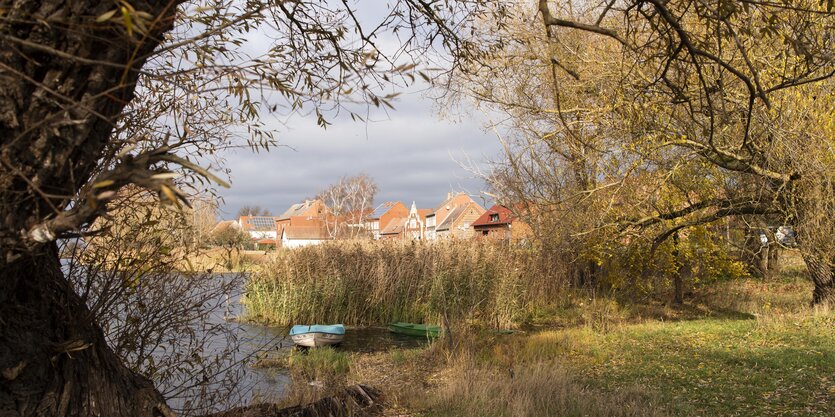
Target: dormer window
(494,218)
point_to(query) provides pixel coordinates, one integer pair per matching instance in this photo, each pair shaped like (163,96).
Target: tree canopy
(641,119)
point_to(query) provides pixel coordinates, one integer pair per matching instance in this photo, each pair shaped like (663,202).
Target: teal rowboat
(412,329)
(317,335)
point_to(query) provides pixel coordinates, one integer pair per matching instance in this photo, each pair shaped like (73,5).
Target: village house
(429,227)
(298,236)
(453,218)
(258,227)
(386,217)
(499,222)
(410,227)
(261,230)
(302,224)
(222,226)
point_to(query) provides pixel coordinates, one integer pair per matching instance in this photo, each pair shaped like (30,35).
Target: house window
(494,217)
(485,232)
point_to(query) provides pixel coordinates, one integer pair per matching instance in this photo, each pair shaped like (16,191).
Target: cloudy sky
(411,152)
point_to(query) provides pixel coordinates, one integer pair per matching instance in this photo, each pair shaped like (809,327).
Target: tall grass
(367,283)
(315,373)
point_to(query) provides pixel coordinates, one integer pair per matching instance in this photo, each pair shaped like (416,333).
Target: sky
(412,153)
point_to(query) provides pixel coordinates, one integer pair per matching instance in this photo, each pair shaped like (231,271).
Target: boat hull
(317,339)
(418,330)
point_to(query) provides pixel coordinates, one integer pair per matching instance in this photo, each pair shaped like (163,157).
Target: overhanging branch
(550,20)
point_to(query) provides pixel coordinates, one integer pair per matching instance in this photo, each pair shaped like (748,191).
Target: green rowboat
(412,329)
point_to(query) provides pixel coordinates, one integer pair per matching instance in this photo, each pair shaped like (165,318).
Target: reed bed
(374,283)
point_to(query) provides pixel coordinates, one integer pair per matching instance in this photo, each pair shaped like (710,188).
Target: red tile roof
(505,216)
(307,208)
(258,223)
(382,209)
(422,213)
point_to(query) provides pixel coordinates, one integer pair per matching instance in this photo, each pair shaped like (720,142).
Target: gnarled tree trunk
(822,274)
(65,76)
(54,359)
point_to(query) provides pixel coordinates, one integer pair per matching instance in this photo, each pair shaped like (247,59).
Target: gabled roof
(382,209)
(505,216)
(455,200)
(395,226)
(300,209)
(456,212)
(223,225)
(258,223)
(451,203)
(423,213)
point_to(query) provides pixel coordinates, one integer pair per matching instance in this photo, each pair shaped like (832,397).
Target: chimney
(449,195)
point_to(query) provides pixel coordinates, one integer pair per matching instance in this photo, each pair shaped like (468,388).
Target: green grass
(315,373)
(722,367)
(702,367)
(744,348)
(319,362)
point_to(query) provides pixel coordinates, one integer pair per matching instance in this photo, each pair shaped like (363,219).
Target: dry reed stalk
(368,283)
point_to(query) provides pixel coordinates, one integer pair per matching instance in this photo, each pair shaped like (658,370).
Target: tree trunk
(678,285)
(54,359)
(822,274)
(763,262)
(66,74)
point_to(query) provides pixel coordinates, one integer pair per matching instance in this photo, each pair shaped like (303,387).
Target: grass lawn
(776,357)
(720,367)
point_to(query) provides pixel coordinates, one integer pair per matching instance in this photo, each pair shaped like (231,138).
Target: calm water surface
(254,340)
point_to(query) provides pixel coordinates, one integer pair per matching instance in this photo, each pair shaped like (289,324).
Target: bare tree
(349,201)
(248,210)
(203,220)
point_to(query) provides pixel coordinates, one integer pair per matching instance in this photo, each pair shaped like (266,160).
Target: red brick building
(499,222)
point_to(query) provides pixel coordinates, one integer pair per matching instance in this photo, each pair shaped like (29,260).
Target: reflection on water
(377,339)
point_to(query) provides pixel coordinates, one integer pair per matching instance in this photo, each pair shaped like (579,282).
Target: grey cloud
(408,156)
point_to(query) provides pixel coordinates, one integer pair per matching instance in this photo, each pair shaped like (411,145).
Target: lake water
(255,341)
(231,347)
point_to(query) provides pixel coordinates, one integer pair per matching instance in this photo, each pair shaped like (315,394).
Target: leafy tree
(230,237)
(100,95)
(643,119)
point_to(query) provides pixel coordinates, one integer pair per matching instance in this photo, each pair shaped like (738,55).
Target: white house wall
(263,234)
(297,243)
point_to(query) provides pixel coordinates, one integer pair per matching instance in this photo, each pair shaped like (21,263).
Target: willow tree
(100,95)
(653,117)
